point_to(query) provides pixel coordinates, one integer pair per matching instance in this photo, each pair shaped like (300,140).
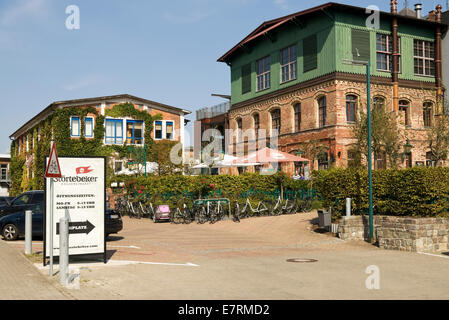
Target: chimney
(438,14)
(418,8)
(431,16)
(394,6)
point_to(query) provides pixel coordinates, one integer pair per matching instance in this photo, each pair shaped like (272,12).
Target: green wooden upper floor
(304,46)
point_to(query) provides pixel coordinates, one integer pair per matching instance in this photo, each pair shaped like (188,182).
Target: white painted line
(131,247)
(435,255)
(117,263)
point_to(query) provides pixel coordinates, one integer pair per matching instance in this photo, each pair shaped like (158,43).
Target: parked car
(114,223)
(162,213)
(26,201)
(12,226)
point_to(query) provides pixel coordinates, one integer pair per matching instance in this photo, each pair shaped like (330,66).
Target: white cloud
(87,81)
(282,4)
(23,9)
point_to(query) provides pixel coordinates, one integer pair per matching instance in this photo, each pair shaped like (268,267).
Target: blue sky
(164,51)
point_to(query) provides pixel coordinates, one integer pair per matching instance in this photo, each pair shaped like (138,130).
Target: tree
(160,154)
(438,138)
(385,133)
(313,149)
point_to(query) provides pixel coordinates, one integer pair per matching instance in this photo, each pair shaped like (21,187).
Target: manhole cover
(299,260)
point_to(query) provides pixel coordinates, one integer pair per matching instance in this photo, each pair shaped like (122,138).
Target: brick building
(292,74)
(124,130)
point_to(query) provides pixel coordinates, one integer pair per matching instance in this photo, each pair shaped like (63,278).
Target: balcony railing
(210,112)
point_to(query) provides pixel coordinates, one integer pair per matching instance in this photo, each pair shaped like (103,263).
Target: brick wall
(337,133)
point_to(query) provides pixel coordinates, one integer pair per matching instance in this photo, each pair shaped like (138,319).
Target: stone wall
(396,233)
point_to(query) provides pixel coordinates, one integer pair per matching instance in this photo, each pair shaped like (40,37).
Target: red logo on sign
(83,170)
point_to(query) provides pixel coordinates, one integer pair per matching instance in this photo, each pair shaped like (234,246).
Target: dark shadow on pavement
(114,238)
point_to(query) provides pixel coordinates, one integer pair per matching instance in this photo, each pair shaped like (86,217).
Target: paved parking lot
(248,260)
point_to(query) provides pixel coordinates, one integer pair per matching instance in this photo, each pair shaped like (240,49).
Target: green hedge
(234,187)
(417,192)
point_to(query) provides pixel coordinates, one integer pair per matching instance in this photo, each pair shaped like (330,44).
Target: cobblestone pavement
(248,260)
(19,279)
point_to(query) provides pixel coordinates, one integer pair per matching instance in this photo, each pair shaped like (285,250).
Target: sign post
(80,196)
(53,170)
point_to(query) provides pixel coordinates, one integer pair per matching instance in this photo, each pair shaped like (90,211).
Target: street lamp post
(370,160)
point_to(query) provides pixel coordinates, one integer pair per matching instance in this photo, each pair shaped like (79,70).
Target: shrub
(417,192)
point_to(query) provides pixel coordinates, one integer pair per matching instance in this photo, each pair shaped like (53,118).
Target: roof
(270,25)
(61,104)
(5,156)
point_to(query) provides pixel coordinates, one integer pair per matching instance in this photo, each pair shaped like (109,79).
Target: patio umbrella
(267,155)
(226,162)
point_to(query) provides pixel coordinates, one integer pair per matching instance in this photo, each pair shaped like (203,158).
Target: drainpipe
(395,67)
(438,65)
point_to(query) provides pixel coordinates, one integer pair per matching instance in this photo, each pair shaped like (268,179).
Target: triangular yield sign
(53,168)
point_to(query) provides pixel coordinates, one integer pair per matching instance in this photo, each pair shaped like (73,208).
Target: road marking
(131,247)
(117,263)
(434,255)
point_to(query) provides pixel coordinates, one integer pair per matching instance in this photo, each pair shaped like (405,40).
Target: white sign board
(80,195)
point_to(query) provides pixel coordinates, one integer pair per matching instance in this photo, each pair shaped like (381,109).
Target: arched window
(323,161)
(297,108)
(276,121)
(404,107)
(378,102)
(239,128)
(427,114)
(322,111)
(256,125)
(351,105)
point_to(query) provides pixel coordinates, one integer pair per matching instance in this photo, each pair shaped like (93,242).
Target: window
(21,200)
(384,50)
(246,78)
(134,132)
(4,172)
(429,160)
(323,161)
(351,106)
(256,118)
(118,166)
(353,159)
(263,73)
(169,129)
(114,131)
(275,122)
(75,126)
(158,130)
(378,102)
(424,55)
(322,111)
(288,64)
(239,129)
(380,160)
(297,117)
(404,108)
(360,45)
(427,114)
(310,53)
(88,127)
